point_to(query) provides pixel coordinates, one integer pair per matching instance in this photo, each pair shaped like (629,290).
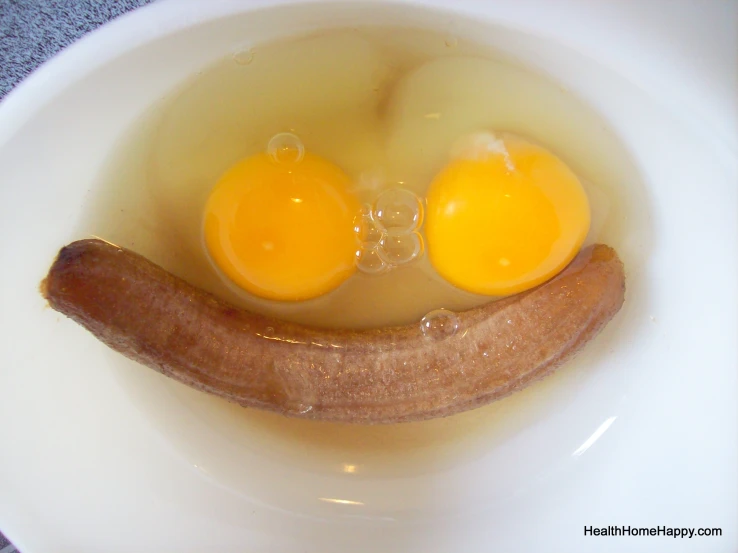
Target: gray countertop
(31,31)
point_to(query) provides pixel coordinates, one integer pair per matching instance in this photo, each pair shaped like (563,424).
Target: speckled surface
(32,31)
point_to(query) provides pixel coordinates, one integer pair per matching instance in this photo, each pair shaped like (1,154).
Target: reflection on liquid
(340,501)
(291,341)
(594,437)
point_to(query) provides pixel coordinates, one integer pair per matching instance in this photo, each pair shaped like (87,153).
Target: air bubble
(366,228)
(452,42)
(286,147)
(398,211)
(243,57)
(439,324)
(370,262)
(398,249)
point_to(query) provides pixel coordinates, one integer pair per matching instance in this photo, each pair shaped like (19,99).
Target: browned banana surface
(371,376)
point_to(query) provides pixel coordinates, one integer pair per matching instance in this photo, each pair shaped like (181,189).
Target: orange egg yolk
(506,221)
(283,230)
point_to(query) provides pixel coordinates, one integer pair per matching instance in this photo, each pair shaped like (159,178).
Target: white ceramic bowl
(99,454)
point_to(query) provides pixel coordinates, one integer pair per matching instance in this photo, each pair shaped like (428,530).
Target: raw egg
(280,224)
(504,216)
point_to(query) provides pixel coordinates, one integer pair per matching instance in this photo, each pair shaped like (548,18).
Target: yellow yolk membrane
(280,224)
(504,216)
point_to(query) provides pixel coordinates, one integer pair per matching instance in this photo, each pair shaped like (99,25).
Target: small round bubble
(366,228)
(286,147)
(398,249)
(369,261)
(439,324)
(243,57)
(398,211)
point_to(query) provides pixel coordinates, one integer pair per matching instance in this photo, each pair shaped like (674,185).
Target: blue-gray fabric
(31,31)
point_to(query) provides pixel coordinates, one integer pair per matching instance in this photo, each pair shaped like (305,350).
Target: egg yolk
(283,230)
(506,221)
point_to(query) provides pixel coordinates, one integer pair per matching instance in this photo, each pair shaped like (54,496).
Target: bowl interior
(186,448)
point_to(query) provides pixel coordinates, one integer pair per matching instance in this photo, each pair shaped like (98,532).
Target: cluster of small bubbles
(398,249)
(370,262)
(366,228)
(398,211)
(286,147)
(439,324)
(244,56)
(388,231)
